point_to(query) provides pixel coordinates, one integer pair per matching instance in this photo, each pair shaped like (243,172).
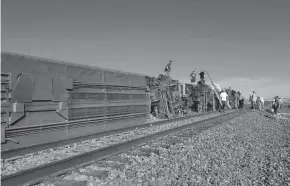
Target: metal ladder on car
(5,103)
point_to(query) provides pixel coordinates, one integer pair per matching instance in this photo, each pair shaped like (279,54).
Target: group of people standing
(239,100)
(256,101)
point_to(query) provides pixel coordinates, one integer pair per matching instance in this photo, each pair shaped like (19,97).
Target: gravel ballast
(248,150)
(46,156)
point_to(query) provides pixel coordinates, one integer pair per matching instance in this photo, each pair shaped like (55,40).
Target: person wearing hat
(201,74)
(224,98)
(167,69)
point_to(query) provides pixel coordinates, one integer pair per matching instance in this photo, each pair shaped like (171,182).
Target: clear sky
(244,44)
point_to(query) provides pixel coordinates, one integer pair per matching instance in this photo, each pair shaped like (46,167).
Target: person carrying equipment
(167,69)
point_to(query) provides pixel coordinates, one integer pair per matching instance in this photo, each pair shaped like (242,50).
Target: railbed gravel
(248,150)
(31,160)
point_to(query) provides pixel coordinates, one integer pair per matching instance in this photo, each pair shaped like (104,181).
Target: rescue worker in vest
(224,98)
(167,69)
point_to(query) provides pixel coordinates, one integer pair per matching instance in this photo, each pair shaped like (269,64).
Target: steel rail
(5,154)
(43,171)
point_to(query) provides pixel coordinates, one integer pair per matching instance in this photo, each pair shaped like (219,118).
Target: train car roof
(67,63)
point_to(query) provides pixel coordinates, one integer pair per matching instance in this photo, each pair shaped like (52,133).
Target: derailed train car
(171,98)
(44,100)
(165,96)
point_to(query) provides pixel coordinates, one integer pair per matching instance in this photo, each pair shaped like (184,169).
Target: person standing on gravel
(276,105)
(224,98)
(236,99)
(281,102)
(262,102)
(259,103)
(254,100)
(241,100)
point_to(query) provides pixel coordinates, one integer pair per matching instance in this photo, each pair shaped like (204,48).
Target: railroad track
(37,158)
(41,172)
(6,154)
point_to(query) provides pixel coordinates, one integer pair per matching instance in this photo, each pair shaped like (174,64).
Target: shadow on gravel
(269,111)
(266,113)
(267,116)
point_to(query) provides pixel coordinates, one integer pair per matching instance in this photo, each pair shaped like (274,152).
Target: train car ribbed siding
(53,100)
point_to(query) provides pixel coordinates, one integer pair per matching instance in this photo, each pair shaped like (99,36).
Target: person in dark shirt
(236,99)
(276,105)
(168,68)
(241,100)
(201,74)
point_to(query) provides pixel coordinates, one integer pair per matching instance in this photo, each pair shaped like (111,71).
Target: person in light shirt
(224,98)
(262,101)
(254,100)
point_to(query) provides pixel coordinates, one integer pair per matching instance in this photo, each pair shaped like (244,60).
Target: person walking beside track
(251,100)
(236,99)
(281,102)
(254,100)
(276,105)
(224,98)
(241,100)
(262,102)
(259,103)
